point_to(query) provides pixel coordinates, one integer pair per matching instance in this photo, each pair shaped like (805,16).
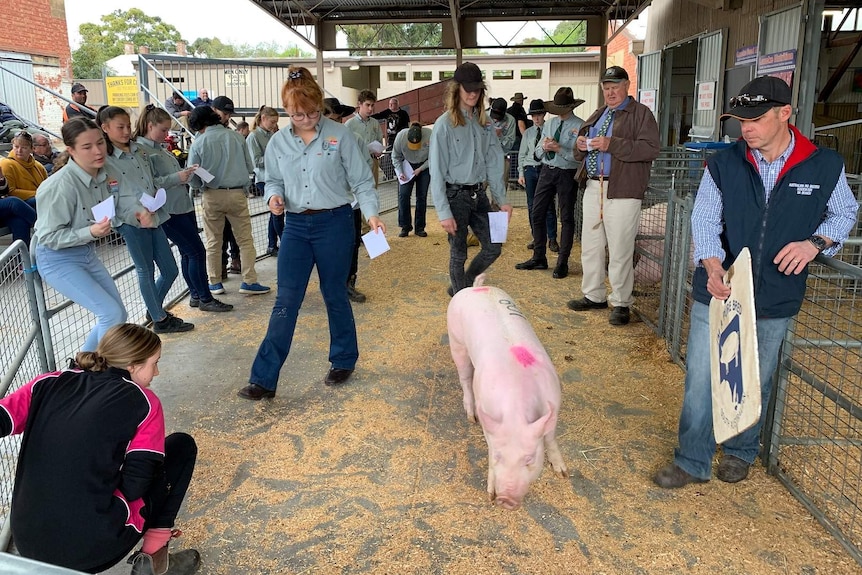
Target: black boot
(352,293)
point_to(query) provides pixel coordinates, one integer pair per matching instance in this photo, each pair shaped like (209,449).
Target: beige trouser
(612,224)
(233,205)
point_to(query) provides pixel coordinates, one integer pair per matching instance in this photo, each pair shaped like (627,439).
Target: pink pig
(510,383)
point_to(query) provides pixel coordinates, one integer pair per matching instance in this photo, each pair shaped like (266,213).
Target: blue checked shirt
(706,217)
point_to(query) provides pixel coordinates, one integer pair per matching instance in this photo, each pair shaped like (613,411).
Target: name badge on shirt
(114,186)
(330,145)
(804,189)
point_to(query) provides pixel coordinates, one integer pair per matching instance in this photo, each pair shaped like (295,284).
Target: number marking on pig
(513,309)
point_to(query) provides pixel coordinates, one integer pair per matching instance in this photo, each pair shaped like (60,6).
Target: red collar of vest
(802,149)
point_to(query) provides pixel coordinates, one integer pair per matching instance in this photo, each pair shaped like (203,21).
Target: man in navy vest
(786,200)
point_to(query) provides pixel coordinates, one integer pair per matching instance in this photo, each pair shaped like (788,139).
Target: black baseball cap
(224,104)
(498,109)
(469,76)
(414,136)
(615,74)
(78,87)
(758,97)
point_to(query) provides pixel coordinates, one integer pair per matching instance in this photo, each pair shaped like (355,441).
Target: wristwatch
(818,242)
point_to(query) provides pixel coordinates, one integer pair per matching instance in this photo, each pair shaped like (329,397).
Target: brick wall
(620,54)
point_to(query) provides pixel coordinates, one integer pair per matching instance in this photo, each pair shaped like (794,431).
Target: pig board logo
(730,365)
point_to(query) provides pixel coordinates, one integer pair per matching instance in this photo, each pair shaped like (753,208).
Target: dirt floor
(385,475)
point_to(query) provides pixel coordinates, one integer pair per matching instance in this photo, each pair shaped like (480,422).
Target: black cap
(615,74)
(203,117)
(78,87)
(334,106)
(414,136)
(224,104)
(469,76)
(758,97)
(498,109)
(537,106)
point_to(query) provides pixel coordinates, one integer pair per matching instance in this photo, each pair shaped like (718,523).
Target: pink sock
(155,539)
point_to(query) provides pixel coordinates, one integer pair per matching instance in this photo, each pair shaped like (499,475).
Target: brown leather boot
(161,562)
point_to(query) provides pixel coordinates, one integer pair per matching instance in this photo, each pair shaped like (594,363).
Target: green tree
(212,48)
(101,42)
(386,39)
(567,32)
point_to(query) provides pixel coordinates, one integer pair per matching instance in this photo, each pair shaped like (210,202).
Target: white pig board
(733,354)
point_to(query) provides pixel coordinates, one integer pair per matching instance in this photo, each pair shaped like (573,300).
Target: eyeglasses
(300,116)
(749,101)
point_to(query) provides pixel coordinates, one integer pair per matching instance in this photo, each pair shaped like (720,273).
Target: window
(446,75)
(503,74)
(422,76)
(177,80)
(531,74)
(397,76)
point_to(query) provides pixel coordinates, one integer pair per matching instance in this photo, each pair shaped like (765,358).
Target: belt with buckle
(466,187)
(599,178)
(312,212)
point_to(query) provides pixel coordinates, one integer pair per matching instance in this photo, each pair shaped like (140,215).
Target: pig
(510,384)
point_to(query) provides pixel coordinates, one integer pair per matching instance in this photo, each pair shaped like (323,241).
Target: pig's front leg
(554,456)
(492,493)
(461,357)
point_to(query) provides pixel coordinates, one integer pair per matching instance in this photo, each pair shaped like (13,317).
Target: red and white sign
(647,98)
(706,96)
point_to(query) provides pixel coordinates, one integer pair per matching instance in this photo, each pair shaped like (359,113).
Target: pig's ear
(546,423)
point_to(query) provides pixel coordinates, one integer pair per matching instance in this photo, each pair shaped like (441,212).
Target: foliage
(392,39)
(567,32)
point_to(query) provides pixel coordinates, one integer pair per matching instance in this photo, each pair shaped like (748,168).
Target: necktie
(536,143)
(559,131)
(593,155)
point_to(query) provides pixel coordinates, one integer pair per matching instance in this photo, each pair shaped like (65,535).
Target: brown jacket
(634,145)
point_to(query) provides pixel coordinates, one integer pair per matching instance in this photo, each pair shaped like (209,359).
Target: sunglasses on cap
(749,101)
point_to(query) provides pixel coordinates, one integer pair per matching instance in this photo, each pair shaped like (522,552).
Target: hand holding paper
(499,222)
(375,243)
(104,209)
(375,147)
(204,175)
(154,203)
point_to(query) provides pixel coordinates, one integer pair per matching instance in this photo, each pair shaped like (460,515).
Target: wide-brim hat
(537,106)
(758,97)
(518,97)
(564,102)
(334,106)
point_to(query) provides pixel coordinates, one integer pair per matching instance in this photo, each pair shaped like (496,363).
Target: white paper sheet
(375,243)
(154,203)
(105,208)
(204,175)
(375,147)
(499,222)
(407,170)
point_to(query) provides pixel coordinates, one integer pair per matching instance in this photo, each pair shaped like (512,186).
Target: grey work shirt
(322,175)
(467,155)
(222,153)
(135,178)
(565,158)
(166,174)
(401,152)
(366,131)
(507,126)
(527,151)
(256,143)
(65,207)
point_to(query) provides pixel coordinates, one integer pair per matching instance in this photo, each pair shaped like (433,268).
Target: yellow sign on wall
(122,91)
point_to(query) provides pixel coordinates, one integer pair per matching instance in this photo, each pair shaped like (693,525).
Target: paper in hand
(499,222)
(104,209)
(375,243)
(154,203)
(407,170)
(204,175)
(375,147)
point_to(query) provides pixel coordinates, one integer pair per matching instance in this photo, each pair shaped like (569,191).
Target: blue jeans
(469,209)
(325,240)
(422,181)
(276,223)
(149,246)
(182,229)
(19,216)
(696,437)
(80,275)
(531,178)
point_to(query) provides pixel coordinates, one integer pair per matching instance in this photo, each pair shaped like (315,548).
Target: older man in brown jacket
(617,145)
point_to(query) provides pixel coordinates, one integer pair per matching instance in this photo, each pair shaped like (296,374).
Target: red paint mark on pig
(481,289)
(523,355)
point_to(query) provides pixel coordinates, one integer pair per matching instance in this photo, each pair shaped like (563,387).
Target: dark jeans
(276,223)
(167,492)
(326,240)
(228,244)
(182,229)
(531,178)
(18,216)
(422,181)
(357,239)
(469,209)
(559,182)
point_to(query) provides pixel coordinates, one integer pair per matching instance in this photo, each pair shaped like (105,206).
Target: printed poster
(733,354)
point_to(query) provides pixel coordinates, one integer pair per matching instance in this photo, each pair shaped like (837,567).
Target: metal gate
(15,92)
(708,79)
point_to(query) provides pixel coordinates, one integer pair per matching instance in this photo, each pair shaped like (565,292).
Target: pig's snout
(507,502)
